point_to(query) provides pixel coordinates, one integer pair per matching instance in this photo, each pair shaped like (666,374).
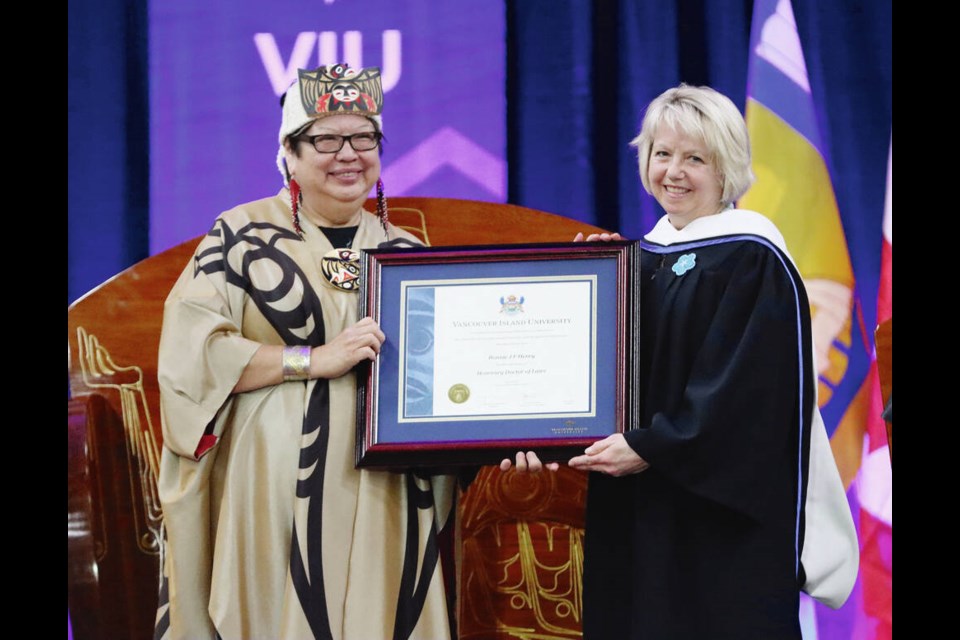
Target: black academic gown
(706,542)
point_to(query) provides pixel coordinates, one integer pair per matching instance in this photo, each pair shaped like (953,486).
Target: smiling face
(334,185)
(683,177)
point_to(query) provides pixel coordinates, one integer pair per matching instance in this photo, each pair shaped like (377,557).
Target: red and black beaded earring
(381,205)
(295,205)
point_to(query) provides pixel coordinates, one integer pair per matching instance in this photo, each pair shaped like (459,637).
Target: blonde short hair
(707,114)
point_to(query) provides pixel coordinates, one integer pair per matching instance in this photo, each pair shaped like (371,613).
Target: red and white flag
(875,480)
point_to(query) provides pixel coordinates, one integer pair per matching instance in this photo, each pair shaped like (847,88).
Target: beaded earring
(381,205)
(295,205)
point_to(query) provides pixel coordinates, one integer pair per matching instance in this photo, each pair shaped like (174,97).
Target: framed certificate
(495,349)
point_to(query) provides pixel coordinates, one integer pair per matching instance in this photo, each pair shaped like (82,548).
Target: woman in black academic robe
(697,521)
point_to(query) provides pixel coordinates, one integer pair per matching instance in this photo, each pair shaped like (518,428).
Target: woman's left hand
(528,462)
(612,456)
(358,342)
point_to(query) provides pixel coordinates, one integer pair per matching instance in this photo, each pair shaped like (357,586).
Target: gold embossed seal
(459,393)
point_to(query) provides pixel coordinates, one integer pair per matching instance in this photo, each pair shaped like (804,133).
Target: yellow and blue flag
(794,190)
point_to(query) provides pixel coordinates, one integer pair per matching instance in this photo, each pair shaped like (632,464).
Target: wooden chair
(521,535)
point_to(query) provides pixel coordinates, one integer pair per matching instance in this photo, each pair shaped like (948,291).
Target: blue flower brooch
(686,262)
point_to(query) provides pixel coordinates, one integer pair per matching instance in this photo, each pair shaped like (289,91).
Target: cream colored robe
(283,462)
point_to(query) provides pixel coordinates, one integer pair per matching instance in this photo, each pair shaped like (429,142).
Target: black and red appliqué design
(340,89)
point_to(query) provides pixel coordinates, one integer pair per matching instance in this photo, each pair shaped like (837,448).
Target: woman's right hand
(594,237)
(612,456)
(356,343)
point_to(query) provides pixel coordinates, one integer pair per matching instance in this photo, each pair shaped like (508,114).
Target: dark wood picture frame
(388,439)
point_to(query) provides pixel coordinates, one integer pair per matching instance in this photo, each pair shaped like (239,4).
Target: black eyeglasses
(332,143)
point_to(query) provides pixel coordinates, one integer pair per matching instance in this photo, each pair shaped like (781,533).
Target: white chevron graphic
(447,147)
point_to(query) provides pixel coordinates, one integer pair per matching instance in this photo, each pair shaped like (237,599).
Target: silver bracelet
(296,363)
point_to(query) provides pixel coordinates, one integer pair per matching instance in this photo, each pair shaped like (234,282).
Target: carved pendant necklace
(341,266)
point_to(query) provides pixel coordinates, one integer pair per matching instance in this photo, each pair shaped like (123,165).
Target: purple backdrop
(217,70)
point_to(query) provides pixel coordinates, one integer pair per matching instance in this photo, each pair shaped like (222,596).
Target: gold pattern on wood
(417,229)
(143,451)
(522,556)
